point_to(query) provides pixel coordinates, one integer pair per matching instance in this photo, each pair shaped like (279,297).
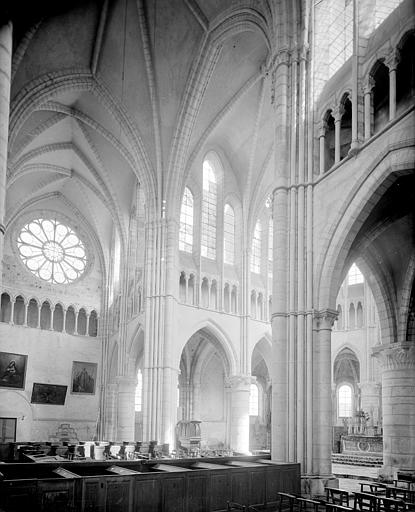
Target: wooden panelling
(37,488)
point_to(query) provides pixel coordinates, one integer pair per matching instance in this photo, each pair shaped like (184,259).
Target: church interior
(207,236)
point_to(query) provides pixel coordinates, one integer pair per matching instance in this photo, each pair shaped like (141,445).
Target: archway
(380,239)
(204,370)
(260,398)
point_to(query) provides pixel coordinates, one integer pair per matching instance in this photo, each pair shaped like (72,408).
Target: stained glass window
(139,392)
(52,251)
(354,276)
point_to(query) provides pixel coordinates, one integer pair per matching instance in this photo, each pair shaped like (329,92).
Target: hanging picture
(52,394)
(12,370)
(84,377)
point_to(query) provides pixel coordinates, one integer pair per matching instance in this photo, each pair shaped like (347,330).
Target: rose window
(52,251)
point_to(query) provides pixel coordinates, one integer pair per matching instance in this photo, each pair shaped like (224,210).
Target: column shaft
(5,79)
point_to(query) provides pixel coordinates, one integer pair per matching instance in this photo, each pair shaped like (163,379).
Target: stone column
(64,310)
(75,330)
(239,389)
(398,402)
(52,314)
(322,139)
(5,79)
(125,409)
(12,303)
(369,402)
(323,323)
(367,91)
(337,115)
(87,324)
(392,63)
(26,305)
(39,310)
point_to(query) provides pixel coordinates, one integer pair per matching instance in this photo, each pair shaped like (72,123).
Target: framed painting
(12,370)
(84,378)
(52,394)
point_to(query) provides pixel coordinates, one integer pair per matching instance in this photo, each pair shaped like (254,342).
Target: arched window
(270,246)
(256,249)
(32,313)
(339,317)
(405,73)
(229,235)
(6,307)
(19,310)
(345,401)
(253,304)
(352,316)
(182,287)
(93,324)
(354,276)
(213,295)
(204,290)
(226,298)
(70,320)
(329,142)
(191,289)
(186,222)
(138,403)
(58,318)
(82,322)
(45,316)
(253,400)
(359,315)
(380,75)
(234,300)
(209,203)
(346,128)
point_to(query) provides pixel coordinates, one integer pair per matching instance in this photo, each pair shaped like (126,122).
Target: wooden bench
(337,496)
(385,504)
(332,507)
(285,497)
(365,501)
(304,505)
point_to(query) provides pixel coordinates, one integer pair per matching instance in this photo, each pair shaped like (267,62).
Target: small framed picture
(51,394)
(12,370)
(84,378)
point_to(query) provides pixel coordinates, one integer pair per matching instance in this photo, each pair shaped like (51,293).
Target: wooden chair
(337,496)
(306,505)
(364,501)
(385,504)
(333,507)
(232,505)
(285,497)
(373,488)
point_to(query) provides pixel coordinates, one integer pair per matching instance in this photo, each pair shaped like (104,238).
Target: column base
(312,486)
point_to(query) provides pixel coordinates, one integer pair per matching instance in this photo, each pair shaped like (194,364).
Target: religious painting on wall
(12,370)
(84,377)
(52,394)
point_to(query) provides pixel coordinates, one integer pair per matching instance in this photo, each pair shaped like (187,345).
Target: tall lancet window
(186,222)
(209,203)
(229,235)
(256,249)
(138,402)
(270,246)
(345,401)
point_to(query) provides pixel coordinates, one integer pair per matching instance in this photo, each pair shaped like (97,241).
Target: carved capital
(322,128)
(392,60)
(324,319)
(396,356)
(337,113)
(368,85)
(239,382)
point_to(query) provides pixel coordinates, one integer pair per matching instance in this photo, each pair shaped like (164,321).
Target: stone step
(357,460)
